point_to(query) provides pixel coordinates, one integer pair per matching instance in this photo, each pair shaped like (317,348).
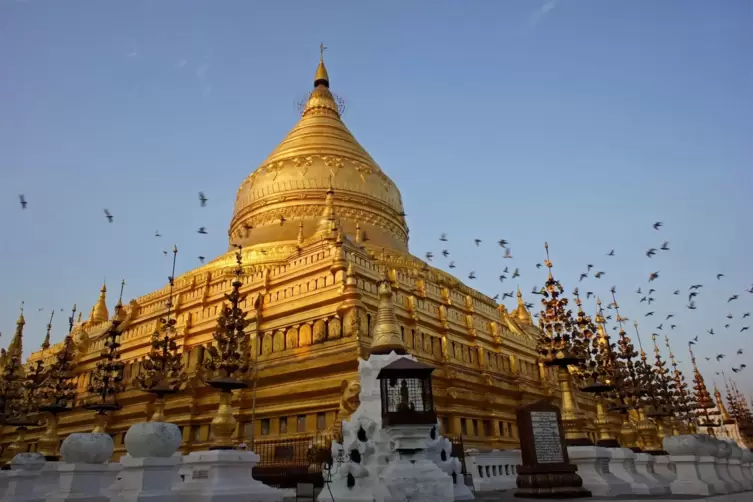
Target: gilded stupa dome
(288,190)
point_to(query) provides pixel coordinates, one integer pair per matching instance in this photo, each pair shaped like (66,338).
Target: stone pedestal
(413,476)
(644,465)
(746,465)
(593,468)
(724,450)
(622,465)
(223,476)
(664,469)
(143,479)
(49,478)
(23,478)
(684,452)
(83,471)
(150,470)
(417,480)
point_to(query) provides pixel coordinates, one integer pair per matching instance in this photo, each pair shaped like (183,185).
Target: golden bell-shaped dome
(290,186)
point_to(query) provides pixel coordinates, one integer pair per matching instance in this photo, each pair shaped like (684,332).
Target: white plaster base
(722,470)
(143,479)
(736,472)
(80,483)
(664,469)
(49,479)
(688,480)
(417,480)
(644,465)
(22,486)
(707,473)
(593,468)
(223,476)
(622,465)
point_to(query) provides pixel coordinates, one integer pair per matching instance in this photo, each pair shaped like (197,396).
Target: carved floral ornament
(303,163)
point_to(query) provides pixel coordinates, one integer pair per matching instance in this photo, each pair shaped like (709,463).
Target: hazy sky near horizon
(577,122)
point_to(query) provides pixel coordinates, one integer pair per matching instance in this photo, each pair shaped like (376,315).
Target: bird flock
(647,293)
(656,315)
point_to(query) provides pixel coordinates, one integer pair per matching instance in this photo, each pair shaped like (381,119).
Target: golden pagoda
(312,285)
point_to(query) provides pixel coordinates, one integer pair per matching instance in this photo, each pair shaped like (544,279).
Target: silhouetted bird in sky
(443,238)
(665,246)
(477,241)
(201,259)
(507,295)
(451,265)
(583,276)
(202,199)
(429,255)
(651,252)
(445,253)
(538,265)
(719,276)
(658,225)
(502,243)
(508,253)
(747,314)
(157,234)
(744,328)
(611,253)
(653,276)
(472,275)
(202,230)
(733,297)
(516,273)
(710,332)
(22,200)
(108,216)
(599,274)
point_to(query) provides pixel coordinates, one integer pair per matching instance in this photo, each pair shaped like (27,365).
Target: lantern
(406,394)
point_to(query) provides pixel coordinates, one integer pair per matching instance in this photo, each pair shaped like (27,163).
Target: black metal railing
(283,463)
(458,450)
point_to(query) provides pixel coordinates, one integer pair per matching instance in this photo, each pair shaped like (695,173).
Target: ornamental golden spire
(521,313)
(386,331)
(704,403)
(726,419)
(321,77)
(46,342)
(99,311)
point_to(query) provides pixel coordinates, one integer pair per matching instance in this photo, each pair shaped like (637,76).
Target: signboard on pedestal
(546,471)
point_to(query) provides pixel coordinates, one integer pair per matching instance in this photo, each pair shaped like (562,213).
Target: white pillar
(23,478)
(593,468)
(83,469)
(735,467)
(722,467)
(685,453)
(644,465)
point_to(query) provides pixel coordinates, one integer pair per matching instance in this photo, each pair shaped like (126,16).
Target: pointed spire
(386,330)
(703,403)
(521,313)
(726,419)
(321,77)
(683,399)
(15,349)
(99,311)
(46,342)
(327,223)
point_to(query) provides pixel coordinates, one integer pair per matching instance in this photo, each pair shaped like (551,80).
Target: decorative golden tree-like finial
(163,368)
(107,379)
(15,348)
(562,345)
(229,362)
(683,401)
(46,341)
(703,400)
(386,337)
(57,394)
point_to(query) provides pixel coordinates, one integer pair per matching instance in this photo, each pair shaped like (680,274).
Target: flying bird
(202,230)
(665,246)
(711,331)
(429,255)
(643,299)
(445,253)
(653,276)
(443,238)
(157,234)
(502,278)
(282,220)
(528,305)
(535,291)
(452,264)
(201,259)
(696,286)
(202,199)
(658,225)
(747,314)
(164,252)
(676,292)
(638,291)
(538,265)
(651,252)
(583,276)
(611,253)
(744,328)
(472,275)
(108,216)
(477,241)
(508,254)
(652,290)
(589,294)
(669,316)
(729,316)
(502,243)
(589,267)
(673,326)
(515,274)
(719,357)
(691,305)
(649,314)
(507,295)
(739,352)
(599,274)
(733,297)
(660,327)
(719,276)
(496,297)
(22,200)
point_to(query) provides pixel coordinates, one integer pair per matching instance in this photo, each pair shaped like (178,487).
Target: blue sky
(577,122)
